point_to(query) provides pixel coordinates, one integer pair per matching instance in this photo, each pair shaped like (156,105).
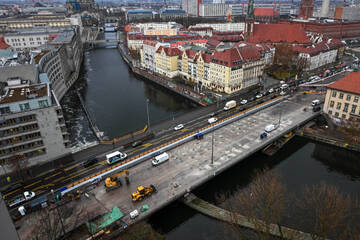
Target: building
(277,34)
(342,98)
(213,9)
(284,9)
(191,7)
(30,40)
(319,54)
(148,53)
(139,14)
(202,31)
(156,28)
(223,27)
(266,15)
(235,69)
(61,61)
(32,22)
(3,44)
(348,13)
(306,9)
(80,5)
(172,14)
(167,61)
(334,29)
(32,124)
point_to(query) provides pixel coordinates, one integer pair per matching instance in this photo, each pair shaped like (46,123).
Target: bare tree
(327,213)
(141,231)
(19,164)
(263,204)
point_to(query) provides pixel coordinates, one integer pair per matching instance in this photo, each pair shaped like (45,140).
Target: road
(60,177)
(190,164)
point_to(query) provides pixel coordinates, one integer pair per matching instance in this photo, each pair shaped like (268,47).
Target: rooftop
(279,33)
(265,12)
(350,83)
(16,94)
(3,44)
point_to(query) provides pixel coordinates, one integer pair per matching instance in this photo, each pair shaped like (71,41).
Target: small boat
(278,144)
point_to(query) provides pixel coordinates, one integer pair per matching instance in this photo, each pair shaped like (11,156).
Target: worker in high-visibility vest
(8,179)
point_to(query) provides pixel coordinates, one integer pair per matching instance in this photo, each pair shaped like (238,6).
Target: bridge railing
(167,146)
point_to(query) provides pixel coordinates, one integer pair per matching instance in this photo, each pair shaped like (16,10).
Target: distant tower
(250,13)
(324,11)
(306,9)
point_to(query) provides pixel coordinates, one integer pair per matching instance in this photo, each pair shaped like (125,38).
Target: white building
(320,54)
(283,8)
(20,41)
(191,7)
(214,9)
(223,27)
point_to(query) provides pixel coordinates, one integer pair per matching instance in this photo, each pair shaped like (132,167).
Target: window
(4,110)
(332,104)
(24,106)
(348,97)
(330,112)
(353,108)
(343,116)
(338,106)
(43,103)
(336,114)
(341,96)
(356,99)
(346,107)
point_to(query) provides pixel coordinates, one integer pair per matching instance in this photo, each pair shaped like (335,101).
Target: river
(116,100)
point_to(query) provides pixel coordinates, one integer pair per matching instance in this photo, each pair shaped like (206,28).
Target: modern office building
(191,7)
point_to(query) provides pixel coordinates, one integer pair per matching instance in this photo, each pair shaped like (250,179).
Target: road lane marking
(78,173)
(10,193)
(55,174)
(69,168)
(33,184)
(43,186)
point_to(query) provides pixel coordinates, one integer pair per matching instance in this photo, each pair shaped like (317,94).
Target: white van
(134,214)
(269,128)
(315,102)
(115,157)
(160,159)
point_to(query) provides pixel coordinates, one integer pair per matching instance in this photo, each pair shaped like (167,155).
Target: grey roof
(138,11)
(64,37)
(172,11)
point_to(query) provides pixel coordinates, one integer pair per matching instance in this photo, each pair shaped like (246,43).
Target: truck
(26,196)
(229,105)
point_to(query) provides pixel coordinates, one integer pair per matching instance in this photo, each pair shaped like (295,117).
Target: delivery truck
(229,105)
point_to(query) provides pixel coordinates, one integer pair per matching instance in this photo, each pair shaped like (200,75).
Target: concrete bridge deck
(190,164)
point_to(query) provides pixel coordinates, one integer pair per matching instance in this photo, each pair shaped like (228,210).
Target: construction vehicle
(114,182)
(142,192)
(73,195)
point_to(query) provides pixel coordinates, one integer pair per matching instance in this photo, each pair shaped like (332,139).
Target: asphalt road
(61,177)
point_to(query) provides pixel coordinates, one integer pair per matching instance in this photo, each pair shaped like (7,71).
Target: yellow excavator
(142,192)
(114,182)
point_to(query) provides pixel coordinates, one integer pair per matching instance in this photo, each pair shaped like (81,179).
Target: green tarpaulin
(105,220)
(144,208)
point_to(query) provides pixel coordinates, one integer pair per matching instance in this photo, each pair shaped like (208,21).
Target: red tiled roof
(190,53)
(236,56)
(228,38)
(277,33)
(3,44)
(206,57)
(169,51)
(324,46)
(265,12)
(349,83)
(200,28)
(150,43)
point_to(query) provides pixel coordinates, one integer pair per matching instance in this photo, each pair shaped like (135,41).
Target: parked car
(270,128)
(252,99)
(212,120)
(212,114)
(243,102)
(259,96)
(178,127)
(90,162)
(271,90)
(316,108)
(136,143)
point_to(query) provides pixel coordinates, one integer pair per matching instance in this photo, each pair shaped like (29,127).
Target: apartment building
(19,41)
(223,27)
(320,54)
(214,9)
(235,69)
(167,61)
(32,125)
(148,52)
(342,98)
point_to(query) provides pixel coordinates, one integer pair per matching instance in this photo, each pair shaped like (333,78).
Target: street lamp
(212,148)
(147,112)
(57,209)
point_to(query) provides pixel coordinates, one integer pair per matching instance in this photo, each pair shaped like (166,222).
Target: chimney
(324,11)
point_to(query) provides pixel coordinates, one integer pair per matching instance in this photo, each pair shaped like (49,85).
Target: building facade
(213,9)
(223,27)
(20,41)
(34,22)
(32,125)
(191,7)
(167,61)
(342,98)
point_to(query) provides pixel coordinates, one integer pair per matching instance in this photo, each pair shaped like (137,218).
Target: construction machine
(142,192)
(75,195)
(114,182)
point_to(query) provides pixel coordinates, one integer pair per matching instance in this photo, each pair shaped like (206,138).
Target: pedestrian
(8,179)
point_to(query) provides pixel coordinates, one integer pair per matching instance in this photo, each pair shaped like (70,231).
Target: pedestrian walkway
(213,211)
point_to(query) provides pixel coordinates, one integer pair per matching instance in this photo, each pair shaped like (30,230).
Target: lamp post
(57,209)
(147,112)
(212,148)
